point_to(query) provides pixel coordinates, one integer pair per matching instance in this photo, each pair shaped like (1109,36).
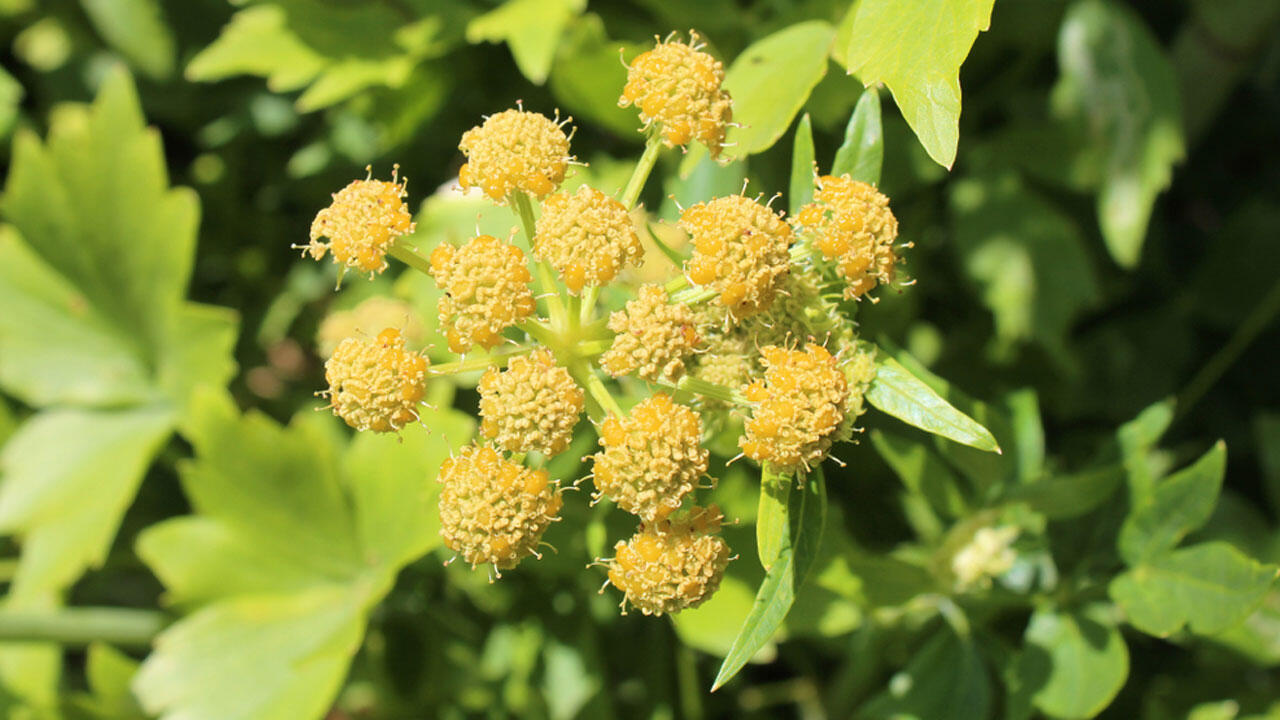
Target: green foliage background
(1092,190)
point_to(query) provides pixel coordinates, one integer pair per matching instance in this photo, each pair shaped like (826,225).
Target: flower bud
(741,250)
(654,338)
(514,150)
(588,237)
(679,87)
(801,406)
(361,224)
(853,227)
(375,383)
(532,405)
(670,565)
(486,290)
(652,458)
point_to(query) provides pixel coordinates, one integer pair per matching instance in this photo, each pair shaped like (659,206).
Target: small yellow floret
(588,237)
(741,250)
(654,338)
(679,87)
(532,405)
(515,150)
(375,383)
(486,290)
(853,226)
(652,458)
(361,223)
(493,511)
(801,408)
(671,565)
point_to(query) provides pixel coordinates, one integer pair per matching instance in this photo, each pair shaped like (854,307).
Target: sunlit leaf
(1179,504)
(1074,663)
(862,153)
(772,525)
(899,393)
(137,29)
(915,47)
(587,77)
(531,28)
(802,159)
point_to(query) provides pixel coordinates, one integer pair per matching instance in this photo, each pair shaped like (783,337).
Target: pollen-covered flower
(493,511)
(741,250)
(801,408)
(654,338)
(370,316)
(486,290)
(987,555)
(374,382)
(670,565)
(361,223)
(532,405)
(652,458)
(588,237)
(853,226)
(515,150)
(678,86)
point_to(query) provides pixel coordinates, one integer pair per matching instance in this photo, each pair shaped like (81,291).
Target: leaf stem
(82,626)
(480,363)
(408,255)
(546,281)
(707,388)
(644,166)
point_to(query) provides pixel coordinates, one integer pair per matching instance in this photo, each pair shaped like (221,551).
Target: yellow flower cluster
(486,290)
(800,411)
(678,86)
(493,511)
(532,405)
(515,150)
(367,317)
(741,250)
(854,227)
(671,564)
(654,338)
(361,223)
(652,458)
(588,237)
(375,383)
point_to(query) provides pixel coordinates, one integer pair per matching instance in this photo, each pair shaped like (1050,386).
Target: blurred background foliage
(1095,241)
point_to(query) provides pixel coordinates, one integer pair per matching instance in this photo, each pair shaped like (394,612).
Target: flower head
(801,408)
(741,250)
(652,458)
(678,86)
(587,237)
(654,338)
(493,511)
(361,223)
(515,150)
(486,290)
(987,555)
(853,226)
(532,405)
(670,565)
(375,383)
(369,316)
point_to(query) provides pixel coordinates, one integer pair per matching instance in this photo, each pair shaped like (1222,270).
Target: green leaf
(66,478)
(778,591)
(109,673)
(915,47)
(1117,85)
(1074,662)
(294,540)
(1208,587)
(1067,496)
(899,393)
(11,93)
(586,77)
(136,28)
(802,166)
(1028,258)
(532,29)
(861,155)
(1178,505)
(925,476)
(945,680)
(1136,439)
(772,524)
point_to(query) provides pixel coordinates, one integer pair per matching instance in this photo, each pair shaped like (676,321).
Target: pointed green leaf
(531,28)
(1178,505)
(945,680)
(802,167)
(899,393)
(137,29)
(777,593)
(772,525)
(587,77)
(915,47)
(1136,439)
(1118,85)
(1074,662)
(1067,496)
(1208,587)
(862,153)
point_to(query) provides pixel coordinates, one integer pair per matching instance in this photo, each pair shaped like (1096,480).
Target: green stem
(539,332)
(587,376)
(546,281)
(1254,323)
(693,296)
(589,296)
(574,310)
(408,255)
(480,363)
(592,348)
(82,626)
(706,388)
(644,166)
